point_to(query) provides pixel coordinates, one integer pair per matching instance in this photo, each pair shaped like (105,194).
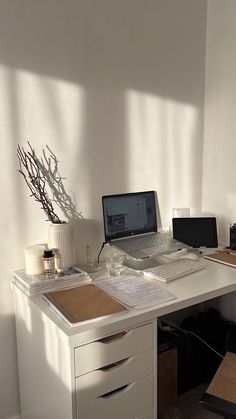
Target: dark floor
(188,407)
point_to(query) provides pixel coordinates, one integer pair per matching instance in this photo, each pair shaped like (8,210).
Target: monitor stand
(140,264)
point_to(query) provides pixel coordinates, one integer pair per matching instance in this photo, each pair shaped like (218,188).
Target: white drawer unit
(127,402)
(114,376)
(106,379)
(113,348)
(97,370)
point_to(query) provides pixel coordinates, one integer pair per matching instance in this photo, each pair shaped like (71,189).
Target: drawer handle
(114,365)
(116,392)
(117,336)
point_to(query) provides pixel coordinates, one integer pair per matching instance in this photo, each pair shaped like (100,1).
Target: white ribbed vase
(60,236)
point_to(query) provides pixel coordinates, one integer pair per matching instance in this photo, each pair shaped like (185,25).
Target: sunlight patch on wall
(49,110)
(162,144)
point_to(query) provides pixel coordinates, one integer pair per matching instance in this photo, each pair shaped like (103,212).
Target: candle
(33,259)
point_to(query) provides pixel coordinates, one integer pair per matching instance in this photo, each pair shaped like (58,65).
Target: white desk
(61,368)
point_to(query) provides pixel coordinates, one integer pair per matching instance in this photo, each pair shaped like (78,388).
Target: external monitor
(196,231)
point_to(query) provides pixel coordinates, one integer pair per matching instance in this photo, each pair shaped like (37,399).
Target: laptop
(130,224)
(196,232)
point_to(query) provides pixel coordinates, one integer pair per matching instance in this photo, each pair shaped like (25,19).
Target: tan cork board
(223,384)
(83,303)
(223,257)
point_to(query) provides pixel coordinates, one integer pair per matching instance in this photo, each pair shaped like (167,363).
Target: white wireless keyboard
(173,270)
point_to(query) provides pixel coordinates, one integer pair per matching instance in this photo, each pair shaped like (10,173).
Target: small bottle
(48,262)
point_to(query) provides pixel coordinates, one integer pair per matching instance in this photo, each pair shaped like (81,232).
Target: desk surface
(214,281)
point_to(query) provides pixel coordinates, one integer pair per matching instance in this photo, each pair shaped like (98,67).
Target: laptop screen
(196,231)
(129,214)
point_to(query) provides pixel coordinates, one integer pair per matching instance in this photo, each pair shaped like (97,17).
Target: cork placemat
(223,384)
(223,257)
(83,303)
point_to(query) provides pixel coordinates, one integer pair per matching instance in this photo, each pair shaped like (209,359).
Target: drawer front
(127,403)
(104,380)
(112,349)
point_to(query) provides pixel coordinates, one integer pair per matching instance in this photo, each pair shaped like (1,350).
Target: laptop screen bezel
(124,234)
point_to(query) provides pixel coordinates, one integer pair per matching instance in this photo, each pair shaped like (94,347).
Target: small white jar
(33,259)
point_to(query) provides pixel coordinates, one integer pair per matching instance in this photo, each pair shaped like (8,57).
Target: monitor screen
(196,231)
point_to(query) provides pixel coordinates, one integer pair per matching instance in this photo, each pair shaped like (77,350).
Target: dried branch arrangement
(30,168)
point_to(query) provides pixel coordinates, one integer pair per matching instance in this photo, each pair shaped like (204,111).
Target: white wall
(116,89)
(219,187)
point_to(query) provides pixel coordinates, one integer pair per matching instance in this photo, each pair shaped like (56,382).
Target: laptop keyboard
(136,243)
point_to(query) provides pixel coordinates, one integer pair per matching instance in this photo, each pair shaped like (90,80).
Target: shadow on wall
(108,45)
(106,85)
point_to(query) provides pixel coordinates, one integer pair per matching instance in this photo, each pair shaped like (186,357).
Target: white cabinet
(115,375)
(126,403)
(106,379)
(97,370)
(113,348)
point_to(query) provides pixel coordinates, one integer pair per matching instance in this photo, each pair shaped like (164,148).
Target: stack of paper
(38,284)
(135,291)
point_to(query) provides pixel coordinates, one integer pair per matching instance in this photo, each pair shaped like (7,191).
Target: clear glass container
(114,264)
(48,262)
